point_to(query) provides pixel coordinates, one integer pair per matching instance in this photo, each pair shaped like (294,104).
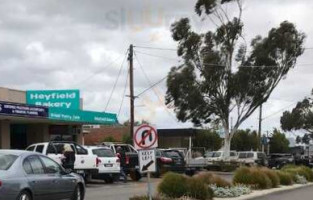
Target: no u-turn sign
(145,137)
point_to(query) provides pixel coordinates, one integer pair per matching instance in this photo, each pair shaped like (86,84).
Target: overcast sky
(80,44)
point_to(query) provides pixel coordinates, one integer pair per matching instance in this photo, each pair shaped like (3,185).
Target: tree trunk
(227,141)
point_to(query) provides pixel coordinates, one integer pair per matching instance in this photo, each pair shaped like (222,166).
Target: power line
(147,78)
(219,65)
(157,56)
(277,112)
(97,72)
(156,48)
(152,86)
(124,93)
(116,80)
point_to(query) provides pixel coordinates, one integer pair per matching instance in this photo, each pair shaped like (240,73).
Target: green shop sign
(82,116)
(68,99)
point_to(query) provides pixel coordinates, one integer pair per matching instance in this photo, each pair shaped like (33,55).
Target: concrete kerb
(260,193)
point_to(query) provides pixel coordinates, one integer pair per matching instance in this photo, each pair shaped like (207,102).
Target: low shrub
(197,189)
(173,185)
(229,192)
(299,170)
(220,182)
(212,179)
(285,178)
(253,177)
(309,173)
(144,197)
(272,175)
(301,180)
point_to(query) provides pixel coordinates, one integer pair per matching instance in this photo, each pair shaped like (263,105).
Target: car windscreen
(172,154)
(216,154)
(103,152)
(6,161)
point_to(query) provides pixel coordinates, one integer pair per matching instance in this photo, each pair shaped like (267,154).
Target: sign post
(146,140)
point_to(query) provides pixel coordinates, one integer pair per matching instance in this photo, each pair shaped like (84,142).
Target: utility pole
(131,89)
(260,127)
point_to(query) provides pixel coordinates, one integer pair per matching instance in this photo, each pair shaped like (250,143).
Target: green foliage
(245,140)
(109,139)
(272,175)
(209,139)
(198,189)
(206,88)
(212,179)
(285,178)
(253,177)
(300,118)
(299,170)
(173,185)
(309,173)
(279,143)
(127,139)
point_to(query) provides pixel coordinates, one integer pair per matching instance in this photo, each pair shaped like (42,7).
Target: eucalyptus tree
(222,74)
(300,119)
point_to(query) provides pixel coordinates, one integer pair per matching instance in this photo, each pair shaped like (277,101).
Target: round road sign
(145,137)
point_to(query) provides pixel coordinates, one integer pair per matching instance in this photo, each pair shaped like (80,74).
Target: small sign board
(145,137)
(147,160)
(23,110)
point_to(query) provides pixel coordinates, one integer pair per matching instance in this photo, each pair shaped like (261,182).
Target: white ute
(85,164)
(109,165)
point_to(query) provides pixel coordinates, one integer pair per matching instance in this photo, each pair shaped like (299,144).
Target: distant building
(174,138)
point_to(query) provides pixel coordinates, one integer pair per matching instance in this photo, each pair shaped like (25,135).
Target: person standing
(122,156)
(69,157)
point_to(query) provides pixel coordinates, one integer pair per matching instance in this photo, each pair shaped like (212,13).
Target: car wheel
(78,194)
(24,195)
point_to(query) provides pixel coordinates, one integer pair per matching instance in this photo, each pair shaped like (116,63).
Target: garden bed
(248,182)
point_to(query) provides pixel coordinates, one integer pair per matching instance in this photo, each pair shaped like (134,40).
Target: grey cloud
(80,38)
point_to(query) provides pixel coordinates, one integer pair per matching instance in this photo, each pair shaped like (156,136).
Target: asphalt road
(98,190)
(298,194)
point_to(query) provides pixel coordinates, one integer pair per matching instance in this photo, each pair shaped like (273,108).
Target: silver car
(31,176)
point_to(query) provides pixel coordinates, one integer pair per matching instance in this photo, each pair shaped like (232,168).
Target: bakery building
(34,116)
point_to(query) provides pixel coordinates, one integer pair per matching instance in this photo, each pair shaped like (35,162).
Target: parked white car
(85,164)
(252,158)
(216,156)
(109,166)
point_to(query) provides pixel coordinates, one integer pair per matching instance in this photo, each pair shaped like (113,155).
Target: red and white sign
(145,137)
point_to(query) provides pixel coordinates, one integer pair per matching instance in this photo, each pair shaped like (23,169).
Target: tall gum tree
(221,74)
(300,119)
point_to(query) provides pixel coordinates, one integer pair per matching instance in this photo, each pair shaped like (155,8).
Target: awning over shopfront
(11,110)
